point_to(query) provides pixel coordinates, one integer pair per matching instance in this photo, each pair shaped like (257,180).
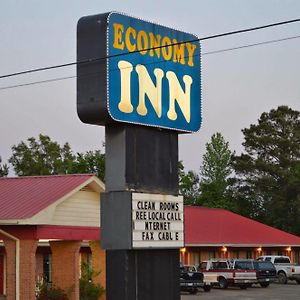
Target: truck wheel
(282,278)
(193,291)
(264,285)
(243,286)
(223,283)
(206,288)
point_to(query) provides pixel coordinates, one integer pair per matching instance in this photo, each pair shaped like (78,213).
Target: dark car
(265,270)
(191,280)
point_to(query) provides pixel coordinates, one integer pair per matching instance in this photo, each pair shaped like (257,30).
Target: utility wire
(203,54)
(153,48)
(252,45)
(37,82)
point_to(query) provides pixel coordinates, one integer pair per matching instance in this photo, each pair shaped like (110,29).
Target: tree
(89,290)
(215,172)
(268,174)
(188,185)
(3,169)
(90,162)
(43,156)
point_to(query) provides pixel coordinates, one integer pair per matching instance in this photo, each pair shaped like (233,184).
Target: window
(268,258)
(243,265)
(235,254)
(47,266)
(211,254)
(297,257)
(264,265)
(220,265)
(203,265)
(196,258)
(281,260)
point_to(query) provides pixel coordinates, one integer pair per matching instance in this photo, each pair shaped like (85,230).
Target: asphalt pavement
(275,291)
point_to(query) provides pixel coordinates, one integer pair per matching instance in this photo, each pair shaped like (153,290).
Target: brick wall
(10,249)
(27,269)
(65,266)
(99,263)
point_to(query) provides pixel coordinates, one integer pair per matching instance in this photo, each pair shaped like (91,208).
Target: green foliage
(90,162)
(88,289)
(216,161)
(3,169)
(43,156)
(53,293)
(188,185)
(268,174)
(215,172)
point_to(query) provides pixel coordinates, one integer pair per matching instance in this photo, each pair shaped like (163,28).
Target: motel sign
(137,72)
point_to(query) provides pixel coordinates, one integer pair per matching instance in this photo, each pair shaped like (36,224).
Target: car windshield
(189,268)
(243,265)
(282,260)
(203,265)
(219,265)
(264,265)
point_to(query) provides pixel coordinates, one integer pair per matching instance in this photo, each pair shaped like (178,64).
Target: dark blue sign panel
(153,74)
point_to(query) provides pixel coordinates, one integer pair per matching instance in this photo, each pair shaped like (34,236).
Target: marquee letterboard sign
(157,221)
(134,71)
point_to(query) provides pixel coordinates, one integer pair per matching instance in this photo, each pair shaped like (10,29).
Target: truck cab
(265,270)
(227,275)
(284,268)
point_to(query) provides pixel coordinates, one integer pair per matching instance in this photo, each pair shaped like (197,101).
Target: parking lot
(273,292)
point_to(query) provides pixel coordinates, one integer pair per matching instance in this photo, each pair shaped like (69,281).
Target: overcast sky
(237,85)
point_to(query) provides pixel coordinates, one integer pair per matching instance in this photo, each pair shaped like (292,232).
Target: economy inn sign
(134,71)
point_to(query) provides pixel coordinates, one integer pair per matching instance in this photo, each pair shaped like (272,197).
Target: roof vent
(86,189)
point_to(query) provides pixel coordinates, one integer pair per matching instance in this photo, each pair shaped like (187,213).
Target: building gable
(78,205)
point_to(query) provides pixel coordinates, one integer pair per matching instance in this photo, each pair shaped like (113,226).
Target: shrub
(88,289)
(52,293)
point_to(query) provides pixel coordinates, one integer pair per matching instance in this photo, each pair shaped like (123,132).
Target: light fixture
(289,249)
(182,250)
(259,249)
(224,249)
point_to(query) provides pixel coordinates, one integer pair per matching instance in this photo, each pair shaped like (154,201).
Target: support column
(27,269)
(99,264)
(10,249)
(65,266)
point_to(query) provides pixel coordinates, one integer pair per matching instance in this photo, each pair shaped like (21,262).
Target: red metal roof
(211,226)
(23,197)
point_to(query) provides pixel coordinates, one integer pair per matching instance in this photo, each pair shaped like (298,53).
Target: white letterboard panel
(157,221)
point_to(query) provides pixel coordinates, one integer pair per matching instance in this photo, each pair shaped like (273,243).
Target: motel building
(219,233)
(50,224)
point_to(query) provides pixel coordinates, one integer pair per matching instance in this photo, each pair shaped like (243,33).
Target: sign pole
(142,159)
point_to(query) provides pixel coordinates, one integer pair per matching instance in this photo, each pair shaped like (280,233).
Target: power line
(153,48)
(203,54)
(37,82)
(252,45)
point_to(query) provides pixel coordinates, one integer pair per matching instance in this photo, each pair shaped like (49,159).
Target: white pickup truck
(227,275)
(284,268)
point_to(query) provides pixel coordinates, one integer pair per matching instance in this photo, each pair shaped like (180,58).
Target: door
(1,273)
